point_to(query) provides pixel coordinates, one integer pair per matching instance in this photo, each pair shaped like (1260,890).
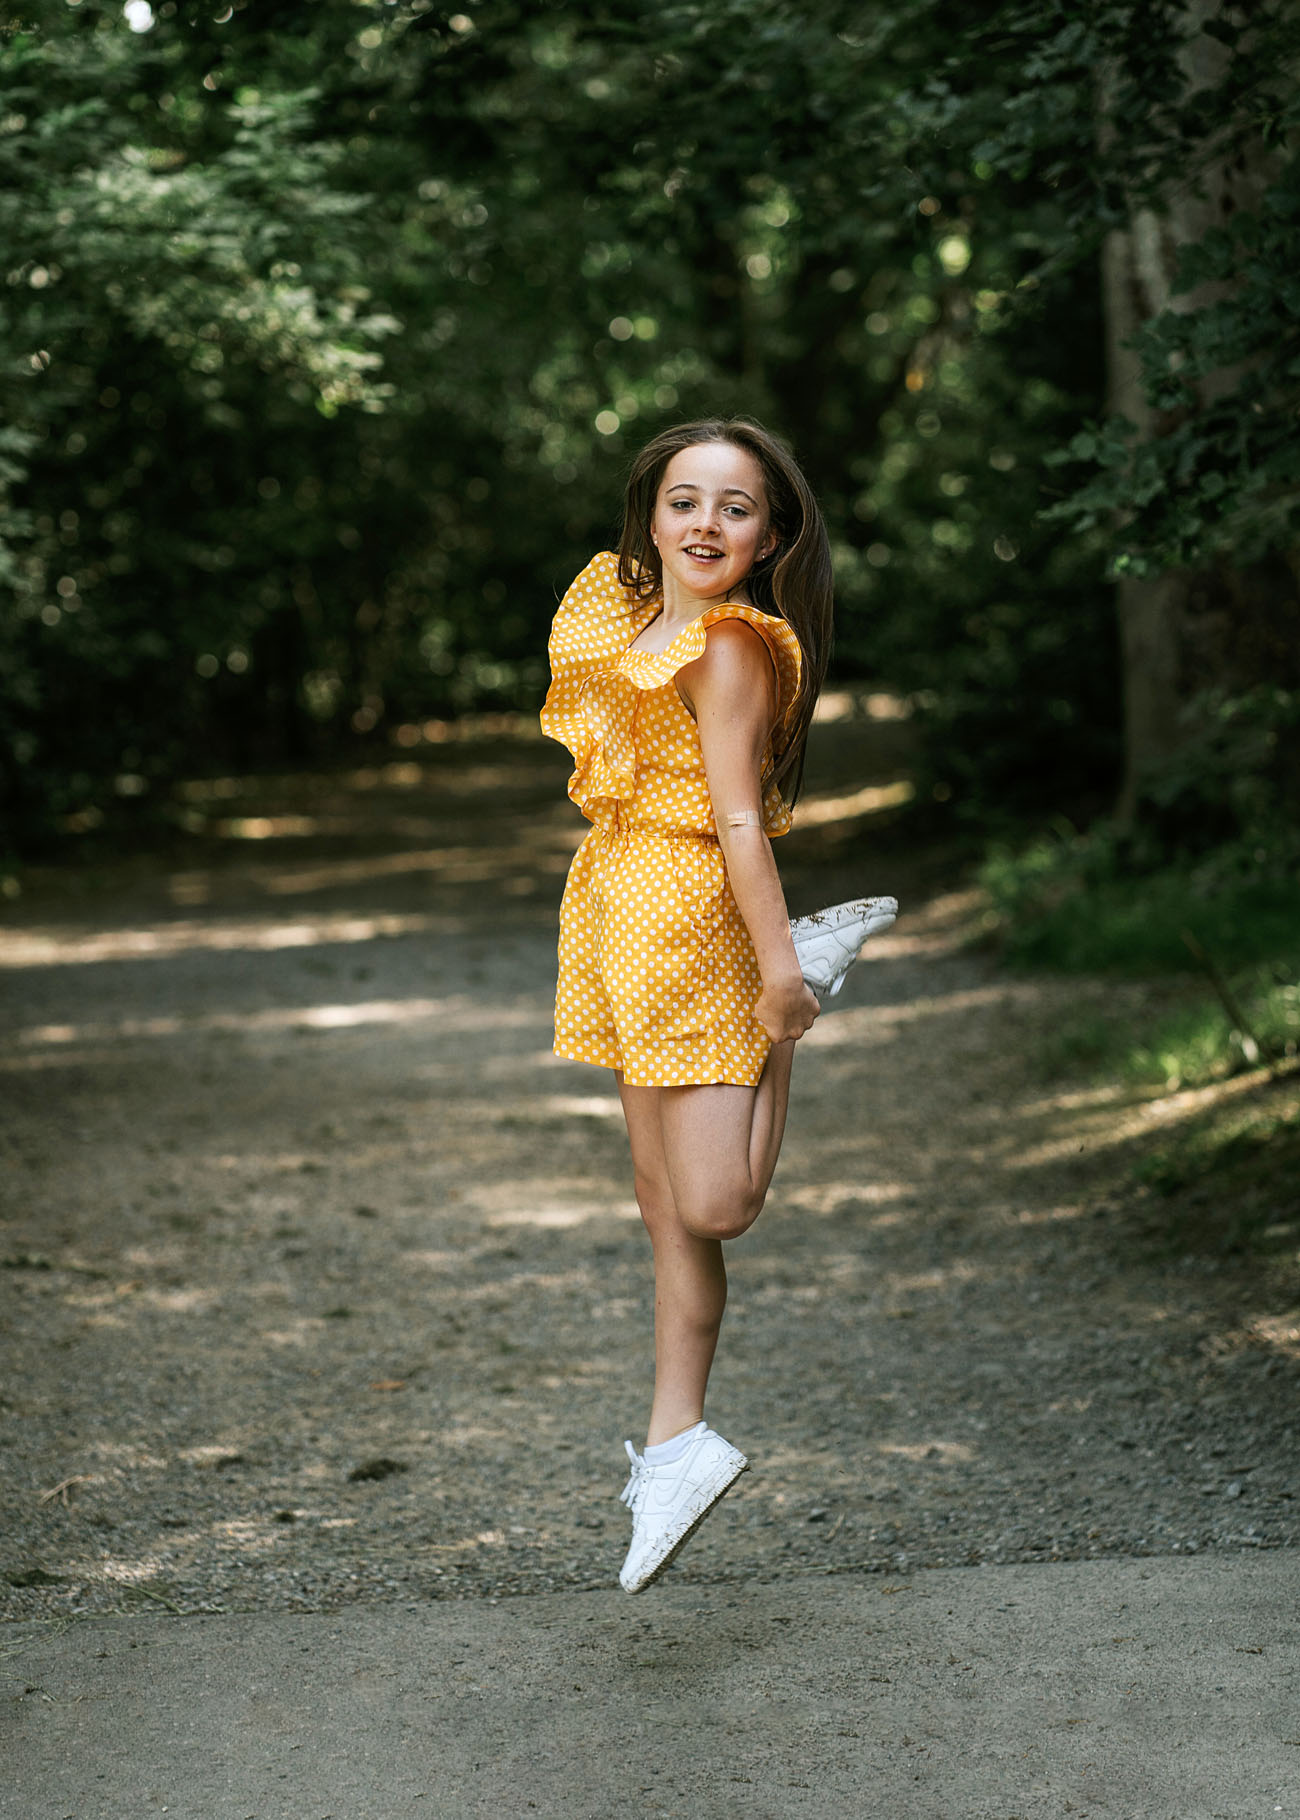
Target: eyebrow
(693,487)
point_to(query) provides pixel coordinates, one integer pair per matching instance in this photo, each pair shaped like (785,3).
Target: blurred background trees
(328,330)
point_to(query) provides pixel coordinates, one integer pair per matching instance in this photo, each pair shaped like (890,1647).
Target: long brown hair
(793,582)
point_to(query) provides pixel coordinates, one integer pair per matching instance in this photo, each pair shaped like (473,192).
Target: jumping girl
(685,670)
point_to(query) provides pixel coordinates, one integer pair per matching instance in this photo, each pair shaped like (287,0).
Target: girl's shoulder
(737,621)
(730,629)
(778,634)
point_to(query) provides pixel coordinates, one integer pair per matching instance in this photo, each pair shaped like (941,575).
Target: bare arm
(731,691)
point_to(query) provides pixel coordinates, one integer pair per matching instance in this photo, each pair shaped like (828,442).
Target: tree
(1194,189)
(328,331)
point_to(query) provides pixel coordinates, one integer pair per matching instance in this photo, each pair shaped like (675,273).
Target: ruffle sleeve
(593,626)
(596,682)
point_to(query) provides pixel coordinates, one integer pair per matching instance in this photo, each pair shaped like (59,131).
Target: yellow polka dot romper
(657,972)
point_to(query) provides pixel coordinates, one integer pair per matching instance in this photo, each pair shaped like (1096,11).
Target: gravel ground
(323,1282)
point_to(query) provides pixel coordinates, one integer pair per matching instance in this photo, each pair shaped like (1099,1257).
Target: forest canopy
(329,328)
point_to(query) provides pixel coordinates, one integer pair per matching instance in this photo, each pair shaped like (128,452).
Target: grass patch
(1225,939)
(1178,1034)
(1065,904)
(1228,1182)
(1200,1042)
(1091,1045)
(1209,1007)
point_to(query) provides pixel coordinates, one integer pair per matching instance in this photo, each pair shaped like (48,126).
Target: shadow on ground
(324,1282)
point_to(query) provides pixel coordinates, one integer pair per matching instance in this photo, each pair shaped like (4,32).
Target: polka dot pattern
(657,972)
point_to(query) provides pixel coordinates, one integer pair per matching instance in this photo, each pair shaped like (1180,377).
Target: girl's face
(710,523)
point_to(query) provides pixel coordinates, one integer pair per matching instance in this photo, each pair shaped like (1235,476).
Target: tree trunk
(1164,657)
(1150,608)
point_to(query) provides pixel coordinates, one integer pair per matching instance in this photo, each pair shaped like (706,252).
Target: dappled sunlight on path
(326,1282)
(37,947)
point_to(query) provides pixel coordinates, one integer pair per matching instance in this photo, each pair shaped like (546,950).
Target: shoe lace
(632,1492)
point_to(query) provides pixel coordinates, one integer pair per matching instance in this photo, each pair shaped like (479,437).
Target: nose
(706,516)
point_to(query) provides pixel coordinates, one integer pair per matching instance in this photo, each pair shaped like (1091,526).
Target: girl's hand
(787,1011)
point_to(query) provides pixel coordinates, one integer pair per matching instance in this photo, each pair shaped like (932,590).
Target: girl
(685,671)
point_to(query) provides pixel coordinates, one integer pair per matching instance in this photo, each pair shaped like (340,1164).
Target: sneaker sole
(873,915)
(713,1499)
(875,912)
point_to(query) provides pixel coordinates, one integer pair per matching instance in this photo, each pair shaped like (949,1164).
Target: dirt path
(324,1283)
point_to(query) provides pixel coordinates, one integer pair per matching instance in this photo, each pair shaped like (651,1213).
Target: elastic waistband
(622,829)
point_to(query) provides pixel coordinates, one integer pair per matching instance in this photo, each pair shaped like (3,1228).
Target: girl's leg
(703,1159)
(690,1277)
(721,1146)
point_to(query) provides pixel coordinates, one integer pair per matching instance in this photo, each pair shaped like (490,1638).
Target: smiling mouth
(702,554)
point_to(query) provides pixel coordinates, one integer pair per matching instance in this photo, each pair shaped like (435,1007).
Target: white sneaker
(668,1503)
(829,941)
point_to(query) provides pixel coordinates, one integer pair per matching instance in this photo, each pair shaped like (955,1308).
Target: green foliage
(326,333)
(1204,888)
(1226,797)
(1224,1184)
(1217,856)
(1222,478)
(162,354)
(1209,1149)
(1181,1035)
(1058,913)
(1077,905)
(1125,110)
(1201,1043)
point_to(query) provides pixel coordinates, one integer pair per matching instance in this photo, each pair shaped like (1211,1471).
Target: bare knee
(725,1217)
(655,1199)
(722,1216)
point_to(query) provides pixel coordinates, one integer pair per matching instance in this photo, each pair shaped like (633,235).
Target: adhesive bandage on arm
(743,818)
